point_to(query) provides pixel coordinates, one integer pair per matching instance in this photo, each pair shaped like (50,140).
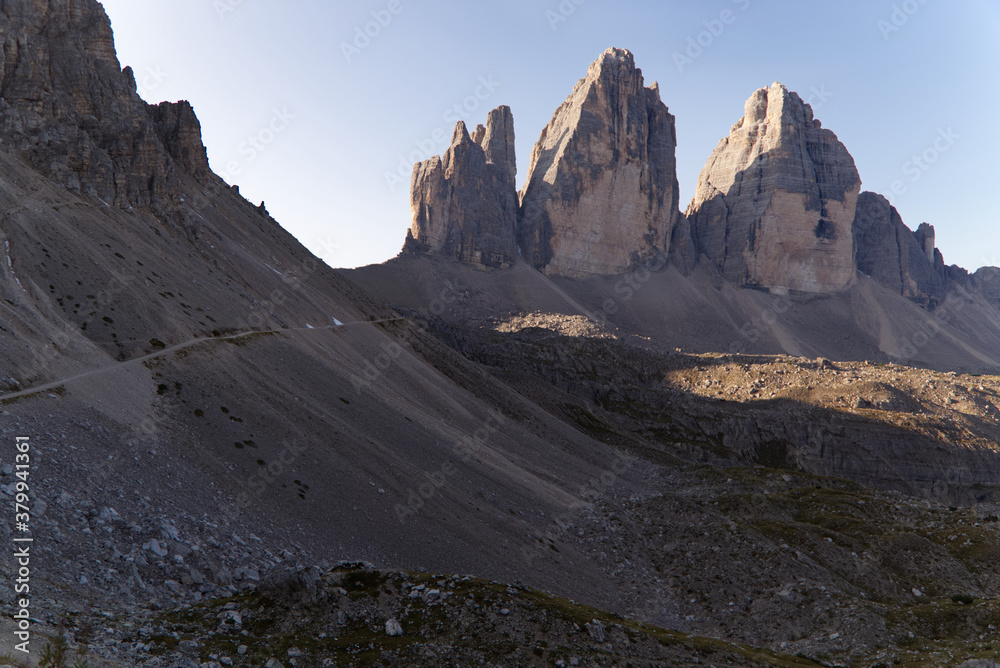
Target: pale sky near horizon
(326,135)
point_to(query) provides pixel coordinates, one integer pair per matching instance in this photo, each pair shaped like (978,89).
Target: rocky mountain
(986,282)
(775,203)
(906,262)
(209,407)
(601,194)
(465,204)
(68,107)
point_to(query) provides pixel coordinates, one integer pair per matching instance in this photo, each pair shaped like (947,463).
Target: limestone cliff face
(601,194)
(776,201)
(464,204)
(69,108)
(987,282)
(904,261)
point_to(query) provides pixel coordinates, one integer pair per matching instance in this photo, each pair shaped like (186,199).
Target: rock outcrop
(464,204)
(902,260)
(986,282)
(776,201)
(70,109)
(601,195)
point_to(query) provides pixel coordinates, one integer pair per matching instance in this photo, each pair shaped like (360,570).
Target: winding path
(37,389)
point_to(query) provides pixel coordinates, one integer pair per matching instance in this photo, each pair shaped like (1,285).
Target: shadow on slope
(702,313)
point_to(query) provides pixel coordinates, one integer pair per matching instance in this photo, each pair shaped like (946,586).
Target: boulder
(596,630)
(287,583)
(393,628)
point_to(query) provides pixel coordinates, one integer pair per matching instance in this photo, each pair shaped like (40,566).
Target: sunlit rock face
(601,195)
(464,203)
(775,203)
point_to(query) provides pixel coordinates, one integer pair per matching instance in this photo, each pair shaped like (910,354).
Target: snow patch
(10,266)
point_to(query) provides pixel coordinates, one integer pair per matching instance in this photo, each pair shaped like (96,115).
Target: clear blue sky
(344,121)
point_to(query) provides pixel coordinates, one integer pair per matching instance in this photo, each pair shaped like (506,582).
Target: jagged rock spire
(902,260)
(602,195)
(464,203)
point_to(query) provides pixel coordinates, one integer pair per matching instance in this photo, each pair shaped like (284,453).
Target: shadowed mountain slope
(208,405)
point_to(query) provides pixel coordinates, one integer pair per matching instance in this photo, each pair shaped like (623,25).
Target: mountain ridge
(178,498)
(768,257)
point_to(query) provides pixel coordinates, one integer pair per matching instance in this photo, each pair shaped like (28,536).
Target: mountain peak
(461,133)
(498,140)
(777,103)
(464,204)
(608,151)
(70,109)
(611,59)
(775,203)
(615,68)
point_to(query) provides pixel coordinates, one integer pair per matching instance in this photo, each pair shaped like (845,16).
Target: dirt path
(174,348)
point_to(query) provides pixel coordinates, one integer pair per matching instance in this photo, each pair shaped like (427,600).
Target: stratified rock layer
(602,194)
(987,282)
(776,201)
(69,108)
(904,261)
(465,203)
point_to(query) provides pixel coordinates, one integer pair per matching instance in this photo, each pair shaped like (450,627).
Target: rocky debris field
(804,565)
(884,390)
(355,615)
(815,570)
(564,325)
(821,571)
(101,555)
(768,552)
(925,433)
